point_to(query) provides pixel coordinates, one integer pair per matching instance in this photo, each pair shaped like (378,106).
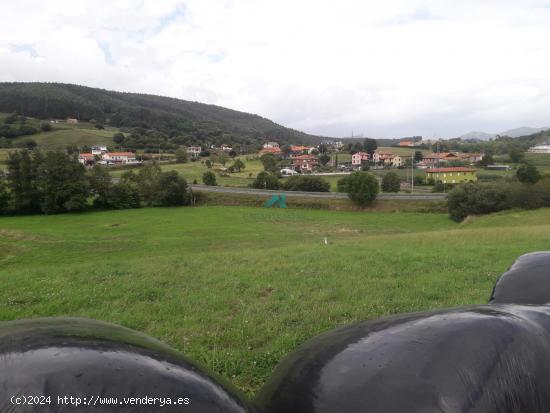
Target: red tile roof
(86,155)
(452,169)
(120,153)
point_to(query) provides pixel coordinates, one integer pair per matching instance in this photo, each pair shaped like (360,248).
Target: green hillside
(239,288)
(181,121)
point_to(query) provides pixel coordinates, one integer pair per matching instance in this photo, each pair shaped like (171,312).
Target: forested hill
(181,121)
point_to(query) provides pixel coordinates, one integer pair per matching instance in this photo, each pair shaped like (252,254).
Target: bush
(528,174)
(172,189)
(391,182)
(476,199)
(306,183)
(181,156)
(209,178)
(362,187)
(123,195)
(264,180)
(45,126)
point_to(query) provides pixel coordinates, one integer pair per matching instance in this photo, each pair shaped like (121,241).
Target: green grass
(194,170)
(77,135)
(239,288)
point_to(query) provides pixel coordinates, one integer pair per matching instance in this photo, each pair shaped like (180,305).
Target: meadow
(238,288)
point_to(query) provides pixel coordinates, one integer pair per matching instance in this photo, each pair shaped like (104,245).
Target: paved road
(325,195)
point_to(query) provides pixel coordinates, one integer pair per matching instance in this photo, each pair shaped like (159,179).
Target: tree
(123,195)
(29,144)
(209,178)
(270,162)
(476,199)
(118,138)
(22,174)
(208,163)
(370,145)
(181,156)
(172,189)
(264,180)
(418,156)
(324,158)
(238,165)
(516,155)
(391,182)
(232,153)
(100,186)
(98,125)
(4,195)
(362,187)
(45,126)
(323,148)
(528,174)
(147,183)
(487,160)
(222,159)
(62,183)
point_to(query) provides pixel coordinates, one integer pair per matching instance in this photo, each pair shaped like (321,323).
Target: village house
(386,158)
(471,158)
(113,158)
(268,145)
(194,150)
(87,159)
(358,158)
(544,148)
(305,163)
(108,158)
(98,150)
(436,159)
(453,175)
(72,120)
(226,148)
(298,150)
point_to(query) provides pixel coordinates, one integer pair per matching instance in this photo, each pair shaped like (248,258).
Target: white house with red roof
(108,158)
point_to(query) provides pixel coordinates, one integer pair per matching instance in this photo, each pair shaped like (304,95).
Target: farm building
(454,175)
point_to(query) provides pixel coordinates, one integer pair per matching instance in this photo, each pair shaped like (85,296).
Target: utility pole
(412,172)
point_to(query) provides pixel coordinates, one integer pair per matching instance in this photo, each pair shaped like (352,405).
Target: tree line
(55,182)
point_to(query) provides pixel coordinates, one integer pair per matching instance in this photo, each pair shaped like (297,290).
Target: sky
(382,69)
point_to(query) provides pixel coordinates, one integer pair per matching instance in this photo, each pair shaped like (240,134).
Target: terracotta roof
(86,155)
(270,150)
(306,157)
(120,153)
(361,154)
(452,169)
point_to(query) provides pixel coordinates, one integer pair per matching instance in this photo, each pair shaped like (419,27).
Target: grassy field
(238,288)
(192,171)
(78,135)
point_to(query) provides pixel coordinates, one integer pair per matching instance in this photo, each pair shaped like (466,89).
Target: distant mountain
(511,133)
(179,121)
(523,131)
(482,136)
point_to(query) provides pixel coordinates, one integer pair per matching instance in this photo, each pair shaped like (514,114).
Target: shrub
(528,174)
(306,183)
(123,195)
(264,180)
(172,189)
(362,187)
(209,178)
(391,182)
(477,198)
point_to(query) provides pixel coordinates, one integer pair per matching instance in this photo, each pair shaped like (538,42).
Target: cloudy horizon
(401,68)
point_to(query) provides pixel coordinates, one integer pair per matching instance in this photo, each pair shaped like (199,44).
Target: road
(324,195)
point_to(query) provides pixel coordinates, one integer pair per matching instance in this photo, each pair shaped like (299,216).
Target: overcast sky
(378,68)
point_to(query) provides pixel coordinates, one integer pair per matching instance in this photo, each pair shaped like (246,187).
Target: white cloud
(388,69)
